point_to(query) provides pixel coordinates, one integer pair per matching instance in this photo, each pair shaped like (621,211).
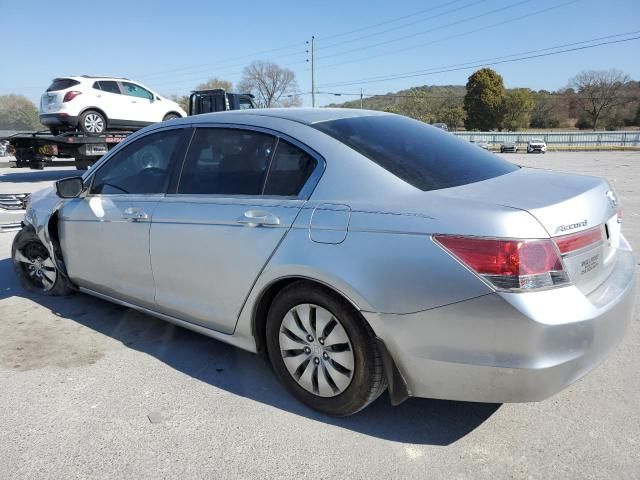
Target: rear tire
(336,366)
(54,131)
(92,122)
(170,116)
(35,268)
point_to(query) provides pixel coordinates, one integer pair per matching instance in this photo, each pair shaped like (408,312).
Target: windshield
(421,155)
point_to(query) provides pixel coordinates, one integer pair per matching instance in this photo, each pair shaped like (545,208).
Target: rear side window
(62,84)
(290,170)
(423,156)
(107,86)
(224,161)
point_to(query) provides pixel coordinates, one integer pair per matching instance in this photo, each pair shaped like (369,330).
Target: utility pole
(361,98)
(313,72)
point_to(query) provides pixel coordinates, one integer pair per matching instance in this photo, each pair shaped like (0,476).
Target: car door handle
(254,218)
(134,214)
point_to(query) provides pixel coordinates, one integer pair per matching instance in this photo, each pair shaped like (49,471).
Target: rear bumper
(511,347)
(58,119)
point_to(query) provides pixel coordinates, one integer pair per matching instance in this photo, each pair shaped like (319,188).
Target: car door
(104,235)
(141,107)
(213,236)
(110,100)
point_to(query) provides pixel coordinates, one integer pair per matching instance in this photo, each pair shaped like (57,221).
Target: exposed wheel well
(259,320)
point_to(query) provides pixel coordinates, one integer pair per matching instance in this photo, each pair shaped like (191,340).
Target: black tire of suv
(24,239)
(368,381)
(170,116)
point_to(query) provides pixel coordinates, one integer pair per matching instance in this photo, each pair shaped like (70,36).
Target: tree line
(598,100)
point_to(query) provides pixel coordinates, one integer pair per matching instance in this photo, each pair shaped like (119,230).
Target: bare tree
(598,91)
(272,85)
(215,82)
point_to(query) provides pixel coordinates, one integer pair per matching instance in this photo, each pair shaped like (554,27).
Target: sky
(173,46)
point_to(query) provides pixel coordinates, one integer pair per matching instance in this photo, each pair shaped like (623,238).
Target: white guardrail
(562,140)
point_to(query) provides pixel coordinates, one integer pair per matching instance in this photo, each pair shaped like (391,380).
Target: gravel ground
(92,390)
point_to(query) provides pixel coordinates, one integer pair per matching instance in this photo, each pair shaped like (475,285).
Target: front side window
(290,170)
(143,167)
(134,90)
(425,157)
(108,86)
(225,161)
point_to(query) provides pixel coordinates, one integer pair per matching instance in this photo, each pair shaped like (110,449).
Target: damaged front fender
(41,215)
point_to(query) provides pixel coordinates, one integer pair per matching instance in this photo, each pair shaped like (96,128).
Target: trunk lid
(564,204)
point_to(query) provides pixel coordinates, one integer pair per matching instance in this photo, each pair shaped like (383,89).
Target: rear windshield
(423,156)
(62,84)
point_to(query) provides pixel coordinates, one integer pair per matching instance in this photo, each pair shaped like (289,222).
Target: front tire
(92,122)
(35,268)
(323,351)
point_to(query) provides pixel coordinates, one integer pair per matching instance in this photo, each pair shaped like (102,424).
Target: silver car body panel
(367,235)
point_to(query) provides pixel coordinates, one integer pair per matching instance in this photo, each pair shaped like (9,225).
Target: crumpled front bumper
(511,347)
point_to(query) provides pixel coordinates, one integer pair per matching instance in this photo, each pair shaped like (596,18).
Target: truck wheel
(35,268)
(170,116)
(92,122)
(54,131)
(83,164)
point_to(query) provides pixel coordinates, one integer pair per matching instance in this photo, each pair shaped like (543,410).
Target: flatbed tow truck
(40,149)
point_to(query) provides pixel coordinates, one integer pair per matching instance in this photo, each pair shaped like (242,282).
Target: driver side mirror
(69,187)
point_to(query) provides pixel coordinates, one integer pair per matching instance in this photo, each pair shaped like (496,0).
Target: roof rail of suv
(103,76)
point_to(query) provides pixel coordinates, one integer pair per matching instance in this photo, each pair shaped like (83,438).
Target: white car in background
(95,104)
(536,145)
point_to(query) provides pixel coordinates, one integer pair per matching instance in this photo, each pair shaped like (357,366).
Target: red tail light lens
(576,241)
(70,95)
(509,264)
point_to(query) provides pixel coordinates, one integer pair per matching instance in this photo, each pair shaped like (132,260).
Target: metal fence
(560,140)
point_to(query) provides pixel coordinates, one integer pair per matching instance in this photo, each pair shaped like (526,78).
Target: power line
(468,32)
(374,34)
(383,77)
(397,19)
(220,62)
(440,27)
(402,76)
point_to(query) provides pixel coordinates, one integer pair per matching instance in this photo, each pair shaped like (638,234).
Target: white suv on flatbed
(96,104)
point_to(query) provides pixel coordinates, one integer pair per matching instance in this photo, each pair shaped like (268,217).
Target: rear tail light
(509,264)
(576,241)
(70,95)
(619,214)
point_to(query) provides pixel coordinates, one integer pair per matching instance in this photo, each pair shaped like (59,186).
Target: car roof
(306,116)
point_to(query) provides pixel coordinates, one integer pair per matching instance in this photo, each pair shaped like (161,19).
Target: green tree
(484,100)
(18,113)
(452,115)
(518,104)
(214,83)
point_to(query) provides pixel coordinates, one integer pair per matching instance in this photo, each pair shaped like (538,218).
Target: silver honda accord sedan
(360,251)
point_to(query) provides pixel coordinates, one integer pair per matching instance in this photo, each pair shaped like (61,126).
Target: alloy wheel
(93,123)
(38,266)
(316,350)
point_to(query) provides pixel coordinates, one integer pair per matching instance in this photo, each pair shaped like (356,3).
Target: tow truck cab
(218,100)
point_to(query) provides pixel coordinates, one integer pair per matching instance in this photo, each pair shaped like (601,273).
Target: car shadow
(416,421)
